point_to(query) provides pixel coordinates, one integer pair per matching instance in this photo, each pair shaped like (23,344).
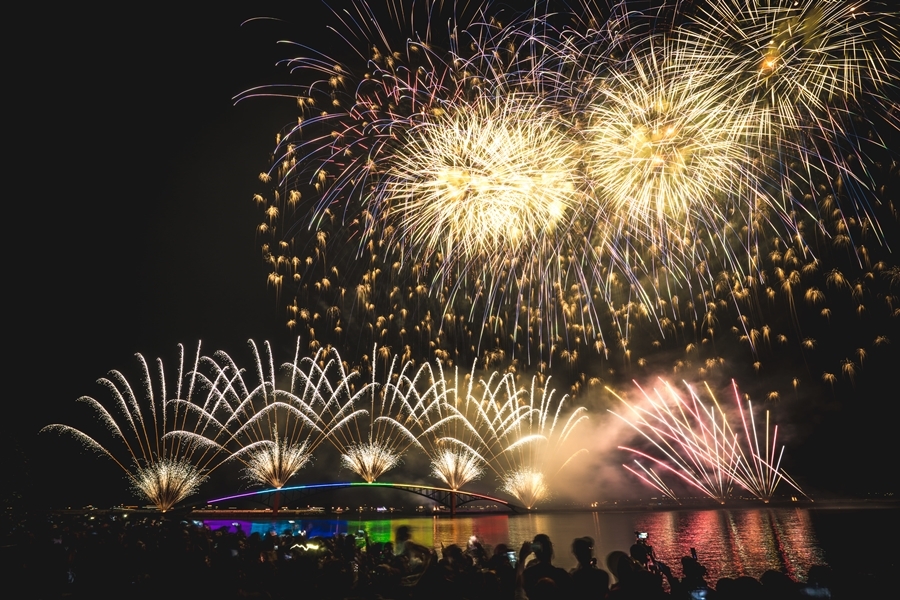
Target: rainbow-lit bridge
(276,497)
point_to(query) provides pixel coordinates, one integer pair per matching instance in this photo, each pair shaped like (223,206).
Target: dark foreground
(106,556)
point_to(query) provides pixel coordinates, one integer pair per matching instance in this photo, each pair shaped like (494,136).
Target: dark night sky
(138,228)
(132,225)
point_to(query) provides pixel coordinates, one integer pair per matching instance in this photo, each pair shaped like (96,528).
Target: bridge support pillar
(453,503)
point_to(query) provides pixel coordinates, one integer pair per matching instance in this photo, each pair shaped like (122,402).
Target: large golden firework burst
(483,181)
(797,60)
(665,146)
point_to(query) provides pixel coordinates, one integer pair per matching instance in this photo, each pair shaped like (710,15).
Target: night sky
(132,230)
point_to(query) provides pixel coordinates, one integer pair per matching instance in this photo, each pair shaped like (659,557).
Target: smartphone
(694,553)
(642,535)
(512,558)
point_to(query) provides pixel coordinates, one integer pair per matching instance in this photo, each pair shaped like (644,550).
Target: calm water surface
(730,543)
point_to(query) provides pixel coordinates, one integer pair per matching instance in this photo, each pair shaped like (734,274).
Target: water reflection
(730,543)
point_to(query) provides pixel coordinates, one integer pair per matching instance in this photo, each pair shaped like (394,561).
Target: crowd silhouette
(110,557)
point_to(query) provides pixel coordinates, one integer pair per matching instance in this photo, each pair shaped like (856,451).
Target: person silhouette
(587,581)
(541,579)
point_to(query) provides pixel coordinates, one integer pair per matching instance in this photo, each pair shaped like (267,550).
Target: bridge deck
(443,496)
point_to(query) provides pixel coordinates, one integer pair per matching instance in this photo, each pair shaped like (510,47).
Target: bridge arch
(443,496)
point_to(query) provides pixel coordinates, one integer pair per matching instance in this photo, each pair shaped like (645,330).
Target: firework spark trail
(273,432)
(445,432)
(162,467)
(699,445)
(452,164)
(534,437)
(787,180)
(813,73)
(376,439)
(651,478)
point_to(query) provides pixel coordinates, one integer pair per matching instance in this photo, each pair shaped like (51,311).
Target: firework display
(598,194)
(373,449)
(274,427)
(697,444)
(273,432)
(588,188)
(535,434)
(477,424)
(162,468)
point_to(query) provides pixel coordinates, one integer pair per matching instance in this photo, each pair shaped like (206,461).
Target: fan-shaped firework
(529,486)
(456,466)
(697,444)
(370,460)
(274,431)
(456,434)
(167,482)
(534,436)
(451,424)
(163,468)
(373,449)
(274,462)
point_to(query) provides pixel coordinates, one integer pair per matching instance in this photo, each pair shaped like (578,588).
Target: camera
(641,535)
